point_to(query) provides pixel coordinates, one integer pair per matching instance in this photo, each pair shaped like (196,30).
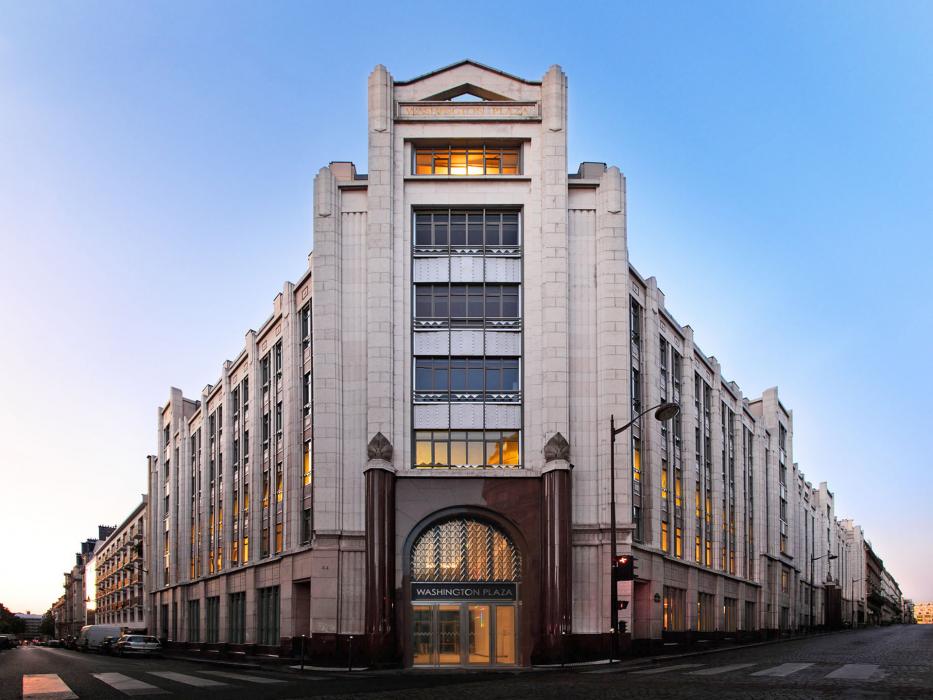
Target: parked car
(137,644)
(92,636)
(54,643)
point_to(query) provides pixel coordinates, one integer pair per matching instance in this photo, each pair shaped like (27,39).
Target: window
(675,609)
(482,159)
(730,614)
(306,467)
(306,393)
(194,621)
(475,448)
(268,616)
(306,525)
(464,549)
(236,620)
(466,305)
(665,538)
(467,228)
(305,314)
(279,483)
(706,612)
(784,581)
(212,620)
(466,378)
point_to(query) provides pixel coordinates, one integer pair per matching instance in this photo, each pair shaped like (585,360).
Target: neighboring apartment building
(75,611)
(120,574)
(412,452)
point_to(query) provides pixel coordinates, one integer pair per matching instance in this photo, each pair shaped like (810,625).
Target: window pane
(457,449)
(510,229)
(475,375)
(423,162)
(441,369)
(423,298)
(510,162)
(493,163)
(510,302)
(458,165)
(475,454)
(457,301)
(510,449)
(458,228)
(440,451)
(476,228)
(423,375)
(423,230)
(493,300)
(440,300)
(441,164)
(458,375)
(493,453)
(493,377)
(474,301)
(492,229)
(422,448)
(505,634)
(440,231)
(510,375)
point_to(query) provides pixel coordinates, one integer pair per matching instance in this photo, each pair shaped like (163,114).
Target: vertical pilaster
(379,613)
(556,562)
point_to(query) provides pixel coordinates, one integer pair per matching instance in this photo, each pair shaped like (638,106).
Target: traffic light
(623,568)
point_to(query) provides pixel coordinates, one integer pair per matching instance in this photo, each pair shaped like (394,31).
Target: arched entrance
(464,575)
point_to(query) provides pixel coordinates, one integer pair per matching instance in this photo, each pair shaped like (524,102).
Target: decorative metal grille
(464,549)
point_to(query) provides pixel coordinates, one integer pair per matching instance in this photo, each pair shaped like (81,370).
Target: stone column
(380,548)
(556,551)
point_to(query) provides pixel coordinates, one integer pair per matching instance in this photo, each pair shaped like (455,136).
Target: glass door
(448,635)
(422,636)
(480,633)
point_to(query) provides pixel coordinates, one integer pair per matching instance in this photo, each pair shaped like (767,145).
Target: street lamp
(662,412)
(852,598)
(828,557)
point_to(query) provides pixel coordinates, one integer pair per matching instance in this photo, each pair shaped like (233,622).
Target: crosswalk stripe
(782,670)
(854,672)
(719,669)
(47,686)
(242,677)
(186,679)
(127,685)
(665,669)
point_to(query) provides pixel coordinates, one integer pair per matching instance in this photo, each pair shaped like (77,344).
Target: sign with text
(463,591)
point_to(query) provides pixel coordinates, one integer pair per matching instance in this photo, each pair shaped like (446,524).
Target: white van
(92,635)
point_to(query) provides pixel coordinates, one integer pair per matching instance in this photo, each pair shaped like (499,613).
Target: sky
(156,168)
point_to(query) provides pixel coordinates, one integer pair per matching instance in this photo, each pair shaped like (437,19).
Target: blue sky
(156,164)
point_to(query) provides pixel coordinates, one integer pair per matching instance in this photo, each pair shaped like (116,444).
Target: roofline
(471,62)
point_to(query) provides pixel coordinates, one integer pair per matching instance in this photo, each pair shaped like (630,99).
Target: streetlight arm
(616,431)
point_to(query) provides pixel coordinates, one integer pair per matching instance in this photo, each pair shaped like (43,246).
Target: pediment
(464,79)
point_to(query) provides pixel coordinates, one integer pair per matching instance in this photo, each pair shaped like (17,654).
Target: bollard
(350,655)
(302,652)
(563,656)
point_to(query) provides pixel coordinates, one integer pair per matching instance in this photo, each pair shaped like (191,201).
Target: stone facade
(294,496)
(120,577)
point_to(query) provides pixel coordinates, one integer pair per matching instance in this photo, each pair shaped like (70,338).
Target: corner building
(412,454)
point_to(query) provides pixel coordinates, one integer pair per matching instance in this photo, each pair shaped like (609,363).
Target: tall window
(194,621)
(706,612)
(268,616)
(635,316)
(493,379)
(236,618)
(481,159)
(675,609)
(212,620)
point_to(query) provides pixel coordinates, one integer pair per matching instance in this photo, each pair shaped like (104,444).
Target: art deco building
(412,453)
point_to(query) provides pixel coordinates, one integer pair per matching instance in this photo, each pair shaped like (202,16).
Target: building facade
(78,606)
(119,581)
(923,613)
(412,453)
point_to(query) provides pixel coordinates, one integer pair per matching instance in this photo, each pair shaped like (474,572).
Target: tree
(47,626)
(9,623)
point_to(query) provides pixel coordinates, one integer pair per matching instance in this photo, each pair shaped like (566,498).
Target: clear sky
(156,166)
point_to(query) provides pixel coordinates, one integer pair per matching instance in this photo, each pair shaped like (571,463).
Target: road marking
(45,686)
(127,685)
(854,672)
(665,669)
(782,670)
(719,669)
(186,679)
(242,677)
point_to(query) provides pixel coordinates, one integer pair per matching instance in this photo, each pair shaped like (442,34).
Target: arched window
(464,549)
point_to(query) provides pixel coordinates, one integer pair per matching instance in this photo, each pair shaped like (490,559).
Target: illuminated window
(665,544)
(636,459)
(474,448)
(698,549)
(709,553)
(306,469)
(480,159)
(245,548)
(279,484)
(664,493)
(265,489)
(278,538)
(678,542)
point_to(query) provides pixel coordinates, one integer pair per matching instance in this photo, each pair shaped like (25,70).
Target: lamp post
(852,594)
(813,560)
(662,412)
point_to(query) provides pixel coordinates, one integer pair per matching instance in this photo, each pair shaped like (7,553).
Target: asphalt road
(891,662)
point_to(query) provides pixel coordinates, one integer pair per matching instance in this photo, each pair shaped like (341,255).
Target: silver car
(137,644)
